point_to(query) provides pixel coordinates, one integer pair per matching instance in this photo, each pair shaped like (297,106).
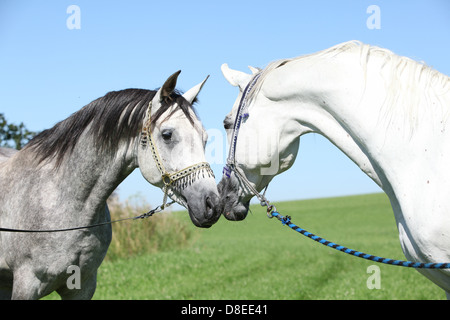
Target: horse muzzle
(206,212)
(231,206)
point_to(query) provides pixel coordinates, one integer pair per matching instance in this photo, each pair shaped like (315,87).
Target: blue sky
(48,71)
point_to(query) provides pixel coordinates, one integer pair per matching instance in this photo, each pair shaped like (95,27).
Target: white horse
(387,113)
(63,177)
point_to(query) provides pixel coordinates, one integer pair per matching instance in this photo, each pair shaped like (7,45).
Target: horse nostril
(209,204)
(212,205)
(209,208)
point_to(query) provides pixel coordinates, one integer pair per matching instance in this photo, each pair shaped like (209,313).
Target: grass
(258,258)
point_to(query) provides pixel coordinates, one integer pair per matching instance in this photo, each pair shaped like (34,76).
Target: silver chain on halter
(181,178)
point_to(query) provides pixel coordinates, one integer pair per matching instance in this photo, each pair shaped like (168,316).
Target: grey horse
(6,153)
(63,177)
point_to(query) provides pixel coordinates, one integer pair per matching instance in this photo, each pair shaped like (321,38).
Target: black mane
(102,117)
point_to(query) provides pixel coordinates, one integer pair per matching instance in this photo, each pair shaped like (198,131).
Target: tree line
(14,135)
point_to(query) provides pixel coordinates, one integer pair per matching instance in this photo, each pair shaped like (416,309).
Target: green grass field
(258,258)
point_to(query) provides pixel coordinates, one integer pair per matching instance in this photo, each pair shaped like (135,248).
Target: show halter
(181,178)
(231,159)
(272,211)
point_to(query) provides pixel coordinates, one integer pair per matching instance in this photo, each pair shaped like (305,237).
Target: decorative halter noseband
(172,180)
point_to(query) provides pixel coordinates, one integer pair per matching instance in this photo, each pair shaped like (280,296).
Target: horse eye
(166,135)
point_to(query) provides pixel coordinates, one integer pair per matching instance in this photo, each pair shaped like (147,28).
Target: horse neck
(88,176)
(328,97)
(100,174)
(349,103)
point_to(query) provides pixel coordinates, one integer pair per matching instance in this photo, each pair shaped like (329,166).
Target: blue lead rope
(287,221)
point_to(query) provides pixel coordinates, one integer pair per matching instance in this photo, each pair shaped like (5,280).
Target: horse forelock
(109,119)
(175,98)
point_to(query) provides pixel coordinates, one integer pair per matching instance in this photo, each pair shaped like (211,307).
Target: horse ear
(254,70)
(167,88)
(192,93)
(235,78)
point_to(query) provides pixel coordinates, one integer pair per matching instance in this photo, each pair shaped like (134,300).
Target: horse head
(171,153)
(263,149)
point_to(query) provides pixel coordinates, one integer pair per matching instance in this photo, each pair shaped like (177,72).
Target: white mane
(409,84)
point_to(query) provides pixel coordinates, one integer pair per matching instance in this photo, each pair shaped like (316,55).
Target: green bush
(162,231)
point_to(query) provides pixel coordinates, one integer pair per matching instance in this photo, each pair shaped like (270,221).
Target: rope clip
(270,209)
(147,214)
